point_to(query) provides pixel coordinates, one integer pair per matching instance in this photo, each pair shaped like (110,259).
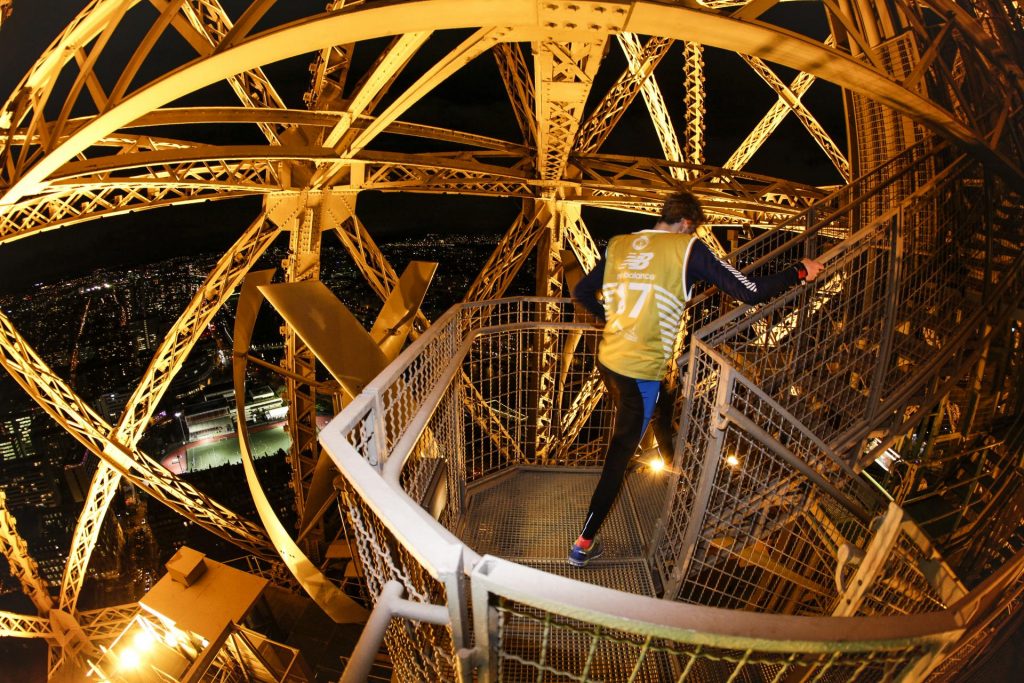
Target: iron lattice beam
(514,247)
(101,492)
(13,625)
(374,86)
(212,25)
(27,167)
(603,119)
(768,124)
(693,76)
(330,70)
(732,196)
(656,107)
(348,147)
(103,625)
(563,75)
(20,563)
(804,115)
(518,80)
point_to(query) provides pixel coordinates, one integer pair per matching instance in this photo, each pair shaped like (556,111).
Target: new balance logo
(637,261)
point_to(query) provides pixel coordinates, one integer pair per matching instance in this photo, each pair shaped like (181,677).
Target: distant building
(30,484)
(110,405)
(195,375)
(216,415)
(146,335)
(79,478)
(16,437)
(29,454)
(49,548)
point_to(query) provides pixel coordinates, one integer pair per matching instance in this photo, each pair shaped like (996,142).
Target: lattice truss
(86,135)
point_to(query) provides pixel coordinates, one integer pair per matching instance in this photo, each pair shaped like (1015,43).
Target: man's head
(682,208)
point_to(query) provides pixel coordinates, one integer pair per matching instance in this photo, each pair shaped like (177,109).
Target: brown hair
(682,205)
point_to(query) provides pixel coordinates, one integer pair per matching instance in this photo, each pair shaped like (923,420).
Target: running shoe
(578,557)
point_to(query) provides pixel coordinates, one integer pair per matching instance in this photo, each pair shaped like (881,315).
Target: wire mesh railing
(403,504)
(396,541)
(541,627)
(419,651)
(761,508)
(894,310)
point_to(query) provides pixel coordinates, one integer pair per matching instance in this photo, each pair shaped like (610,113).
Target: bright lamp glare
(656,464)
(732,461)
(143,641)
(171,639)
(130,658)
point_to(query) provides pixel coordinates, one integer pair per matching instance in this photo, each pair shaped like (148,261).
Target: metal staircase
(769,515)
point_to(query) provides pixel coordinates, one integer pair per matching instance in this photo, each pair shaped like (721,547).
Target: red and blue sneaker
(579,557)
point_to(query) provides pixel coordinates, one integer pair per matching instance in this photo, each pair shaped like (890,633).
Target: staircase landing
(532,516)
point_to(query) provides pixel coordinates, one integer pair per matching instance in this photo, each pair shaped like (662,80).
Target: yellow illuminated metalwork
(60,168)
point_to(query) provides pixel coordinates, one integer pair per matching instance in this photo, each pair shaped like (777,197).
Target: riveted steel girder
(678,22)
(20,562)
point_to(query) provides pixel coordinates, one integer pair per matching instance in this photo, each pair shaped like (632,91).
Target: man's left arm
(587,288)
(703,265)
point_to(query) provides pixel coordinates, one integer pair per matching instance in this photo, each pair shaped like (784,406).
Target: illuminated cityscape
(110,344)
(293,390)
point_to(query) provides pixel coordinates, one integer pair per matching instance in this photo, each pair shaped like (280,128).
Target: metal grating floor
(532,516)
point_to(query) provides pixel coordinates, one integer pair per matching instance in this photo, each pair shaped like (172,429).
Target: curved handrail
(703,625)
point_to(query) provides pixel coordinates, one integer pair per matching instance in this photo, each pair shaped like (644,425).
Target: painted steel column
(693,67)
(297,214)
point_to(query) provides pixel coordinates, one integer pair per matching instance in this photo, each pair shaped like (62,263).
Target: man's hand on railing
(811,268)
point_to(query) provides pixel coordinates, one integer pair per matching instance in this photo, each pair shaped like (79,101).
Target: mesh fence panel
(816,230)
(362,434)
(760,546)
(437,458)
(498,370)
(901,586)
(405,395)
(492,369)
(881,130)
(419,651)
(536,645)
(837,355)
(765,535)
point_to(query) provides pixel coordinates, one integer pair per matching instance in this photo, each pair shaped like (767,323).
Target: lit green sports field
(226,452)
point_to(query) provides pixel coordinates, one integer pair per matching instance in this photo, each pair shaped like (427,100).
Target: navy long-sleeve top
(701,265)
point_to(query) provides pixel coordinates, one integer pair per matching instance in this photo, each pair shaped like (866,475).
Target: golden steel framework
(78,144)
